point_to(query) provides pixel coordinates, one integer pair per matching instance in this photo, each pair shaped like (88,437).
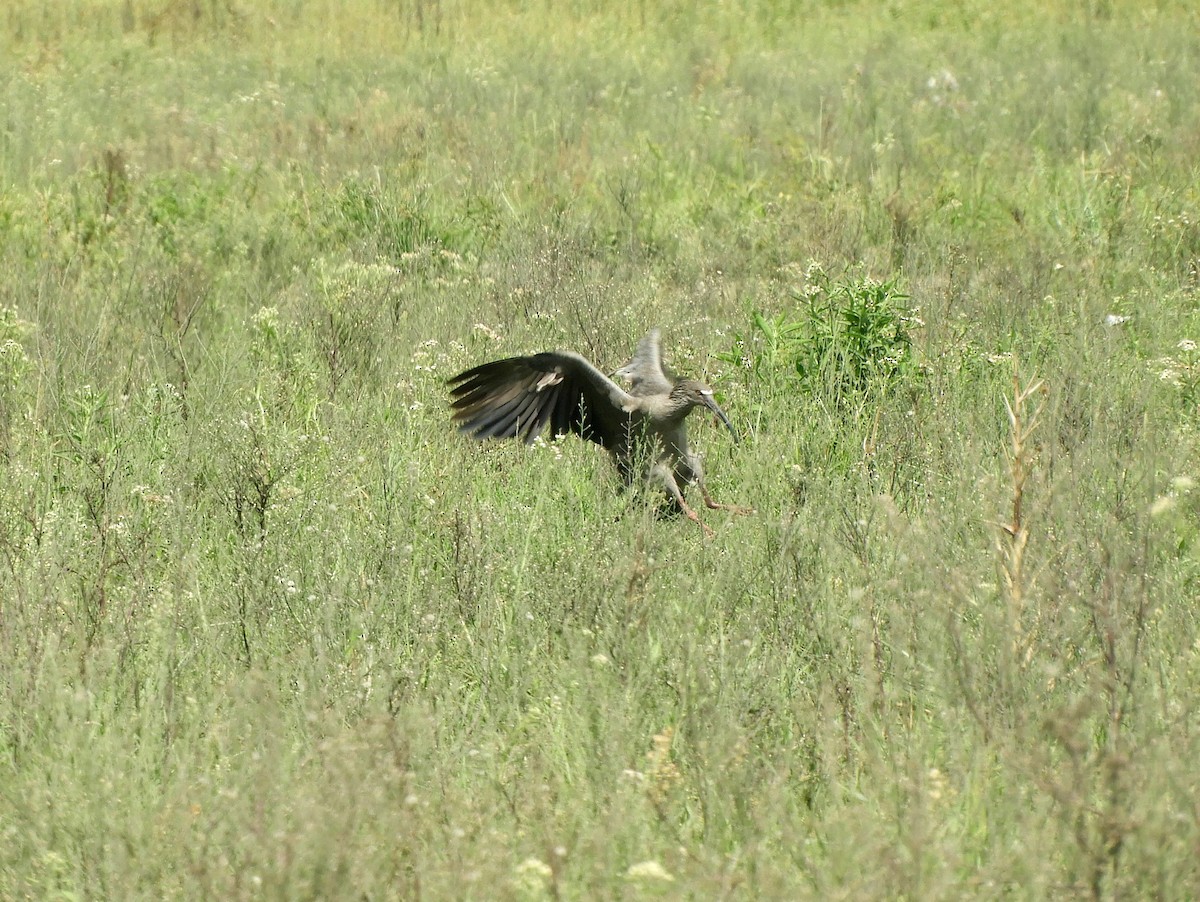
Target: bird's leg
(709,501)
(712,504)
(695,517)
(663,475)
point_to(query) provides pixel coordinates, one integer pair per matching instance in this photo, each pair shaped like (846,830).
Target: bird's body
(642,428)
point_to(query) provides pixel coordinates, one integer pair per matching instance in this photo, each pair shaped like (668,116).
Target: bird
(642,428)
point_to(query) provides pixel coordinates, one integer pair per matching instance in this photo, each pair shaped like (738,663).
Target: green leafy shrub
(847,337)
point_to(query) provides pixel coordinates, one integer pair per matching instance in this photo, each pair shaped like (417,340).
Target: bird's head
(696,394)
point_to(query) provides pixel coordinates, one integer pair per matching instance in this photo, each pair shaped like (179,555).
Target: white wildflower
(649,870)
(1162,505)
(1170,375)
(533,875)
(943,80)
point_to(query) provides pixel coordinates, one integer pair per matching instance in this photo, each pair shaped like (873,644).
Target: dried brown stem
(1024,414)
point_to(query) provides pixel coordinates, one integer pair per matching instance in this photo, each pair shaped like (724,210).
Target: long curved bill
(715,408)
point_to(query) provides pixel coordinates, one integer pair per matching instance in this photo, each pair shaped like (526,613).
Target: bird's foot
(732,508)
(695,518)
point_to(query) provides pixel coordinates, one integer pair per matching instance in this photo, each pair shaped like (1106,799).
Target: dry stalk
(1024,414)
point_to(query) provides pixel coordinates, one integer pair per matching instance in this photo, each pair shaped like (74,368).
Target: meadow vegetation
(270,629)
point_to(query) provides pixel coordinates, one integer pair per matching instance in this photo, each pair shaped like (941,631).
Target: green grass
(270,629)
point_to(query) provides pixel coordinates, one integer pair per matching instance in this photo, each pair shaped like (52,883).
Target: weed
(348,322)
(848,339)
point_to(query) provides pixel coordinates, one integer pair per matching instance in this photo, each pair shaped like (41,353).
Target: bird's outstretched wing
(645,371)
(518,396)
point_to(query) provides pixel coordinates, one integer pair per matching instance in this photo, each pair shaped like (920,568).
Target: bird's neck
(678,407)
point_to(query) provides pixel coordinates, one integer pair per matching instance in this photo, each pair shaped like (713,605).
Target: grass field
(269,629)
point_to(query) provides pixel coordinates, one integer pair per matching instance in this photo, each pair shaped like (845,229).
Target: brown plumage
(642,428)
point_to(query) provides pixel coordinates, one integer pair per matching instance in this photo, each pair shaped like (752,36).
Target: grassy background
(269,629)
